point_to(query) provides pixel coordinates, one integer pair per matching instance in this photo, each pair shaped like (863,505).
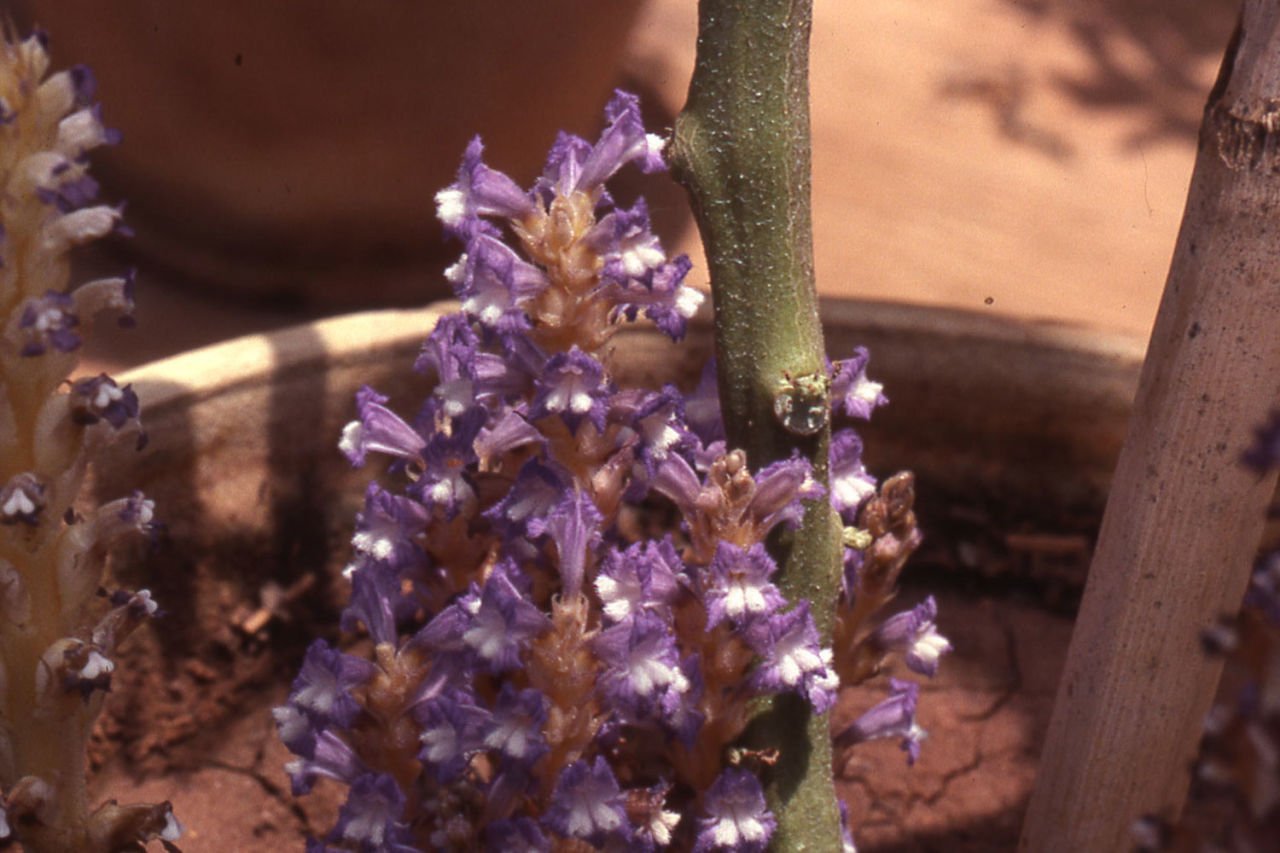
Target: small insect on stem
(802,404)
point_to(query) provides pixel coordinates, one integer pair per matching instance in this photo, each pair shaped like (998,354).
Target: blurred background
(1022,158)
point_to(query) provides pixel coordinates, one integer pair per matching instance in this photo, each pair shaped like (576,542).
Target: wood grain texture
(1184,517)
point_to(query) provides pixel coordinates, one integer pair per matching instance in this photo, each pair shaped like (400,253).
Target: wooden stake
(1184,518)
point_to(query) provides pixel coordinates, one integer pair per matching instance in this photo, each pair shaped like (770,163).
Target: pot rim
(216,368)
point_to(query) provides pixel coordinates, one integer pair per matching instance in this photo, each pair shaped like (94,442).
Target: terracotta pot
(259,503)
(293,150)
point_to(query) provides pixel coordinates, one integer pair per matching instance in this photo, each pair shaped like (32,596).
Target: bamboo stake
(1184,518)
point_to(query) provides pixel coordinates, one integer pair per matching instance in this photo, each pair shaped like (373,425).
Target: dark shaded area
(189,676)
(996,832)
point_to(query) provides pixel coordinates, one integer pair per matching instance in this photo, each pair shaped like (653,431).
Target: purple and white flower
(99,398)
(323,686)
(737,818)
(48,322)
(642,665)
(588,804)
(644,577)
(372,816)
(453,729)
(893,717)
(736,586)
(914,634)
(572,387)
(851,390)
(850,482)
(378,430)
(793,658)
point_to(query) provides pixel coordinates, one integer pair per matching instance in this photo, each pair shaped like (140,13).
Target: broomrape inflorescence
(59,629)
(542,674)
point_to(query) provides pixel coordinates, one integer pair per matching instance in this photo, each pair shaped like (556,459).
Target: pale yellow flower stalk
(57,633)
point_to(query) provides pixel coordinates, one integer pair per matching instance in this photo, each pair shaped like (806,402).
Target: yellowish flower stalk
(59,629)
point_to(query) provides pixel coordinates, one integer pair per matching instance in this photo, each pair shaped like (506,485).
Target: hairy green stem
(741,148)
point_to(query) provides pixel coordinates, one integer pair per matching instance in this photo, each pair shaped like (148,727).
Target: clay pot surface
(1011,429)
(293,150)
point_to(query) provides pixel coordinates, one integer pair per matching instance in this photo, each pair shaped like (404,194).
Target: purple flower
(913,633)
(850,482)
(515,730)
(680,710)
(372,816)
(22,500)
(447,356)
(443,485)
(495,282)
(448,350)
(851,390)
(629,248)
(66,189)
(665,298)
(574,527)
(100,398)
(323,686)
(328,756)
(378,430)
(295,729)
(375,594)
(780,489)
(737,587)
(572,386)
(893,717)
(520,835)
(453,728)
(1264,454)
(443,635)
(643,577)
(588,804)
(852,559)
(388,528)
(676,479)
(508,432)
(480,191)
(658,421)
(792,658)
(537,490)
(48,321)
(636,275)
(642,664)
(623,141)
(504,623)
(737,818)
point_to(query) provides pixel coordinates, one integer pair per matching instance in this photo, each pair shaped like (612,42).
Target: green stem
(741,148)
